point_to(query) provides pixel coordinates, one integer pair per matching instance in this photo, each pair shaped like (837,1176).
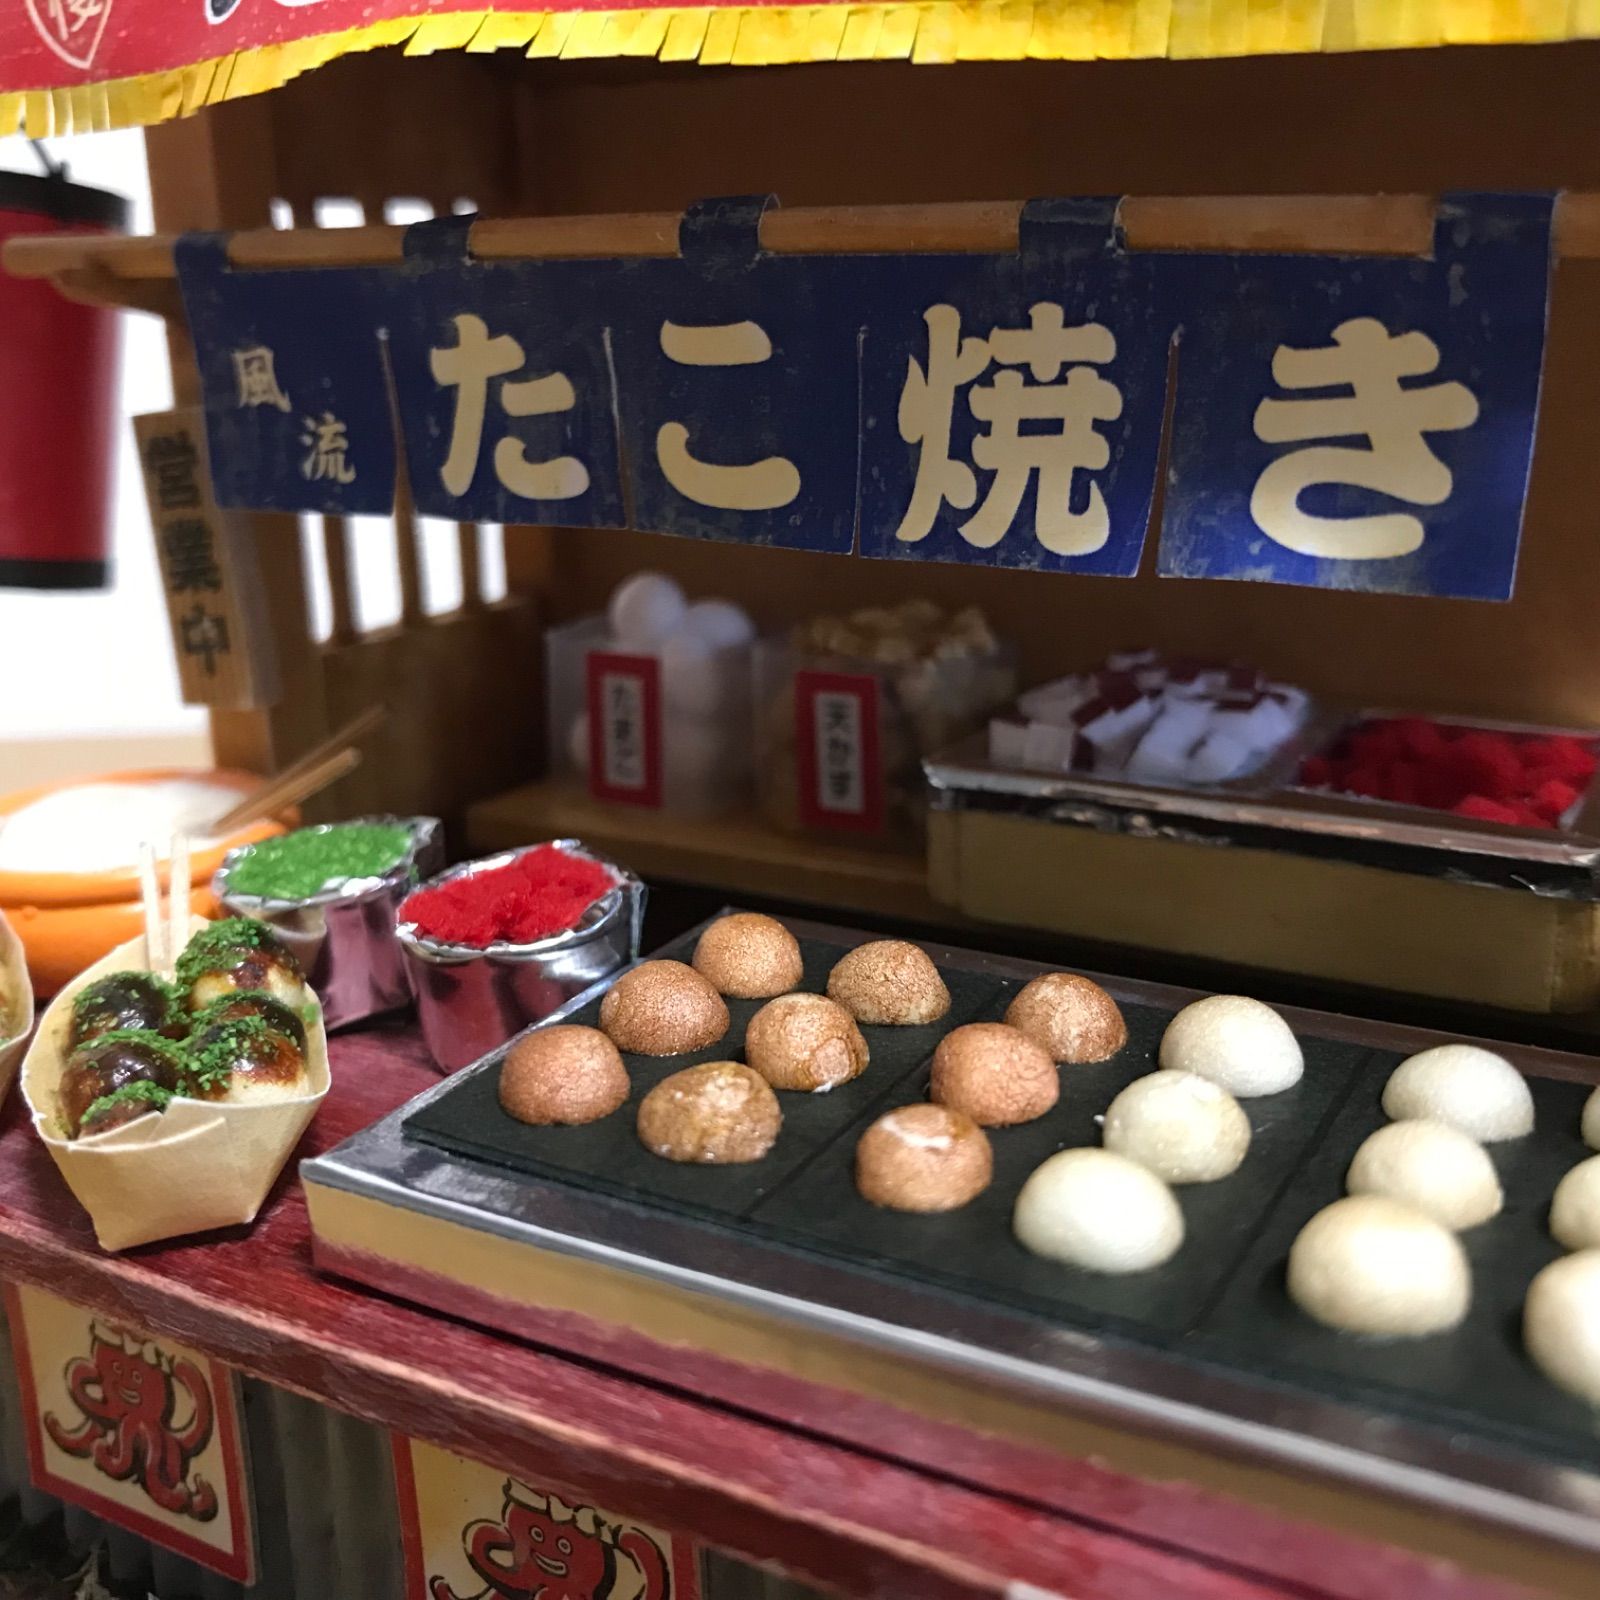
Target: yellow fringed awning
(81,88)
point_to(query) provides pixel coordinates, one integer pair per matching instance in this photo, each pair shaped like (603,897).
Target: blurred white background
(83,664)
(80,668)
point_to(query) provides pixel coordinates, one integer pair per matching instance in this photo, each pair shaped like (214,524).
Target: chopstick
(314,771)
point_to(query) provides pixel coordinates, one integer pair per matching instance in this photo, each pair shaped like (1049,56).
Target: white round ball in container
(645,610)
(578,744)
(1099,1210)
(1236,1042)
(1561,1323)
(697,775)
(1591,1121)
(1369,1264)
(699,679)
(1465,1085)
(1184,1128)
(1575,1208)
(1432,1166)
(720,623)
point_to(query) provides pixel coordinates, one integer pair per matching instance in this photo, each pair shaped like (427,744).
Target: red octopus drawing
(130,1400)
(541,1549)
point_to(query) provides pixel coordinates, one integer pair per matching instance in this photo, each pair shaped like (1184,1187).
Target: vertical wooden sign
(142,1432)
(208,570)
(472,1532)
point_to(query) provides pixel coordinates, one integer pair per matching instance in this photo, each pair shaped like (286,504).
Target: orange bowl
(68,920)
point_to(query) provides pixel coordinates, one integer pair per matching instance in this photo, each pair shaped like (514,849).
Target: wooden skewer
(177,897)
(155,944)
(314,771)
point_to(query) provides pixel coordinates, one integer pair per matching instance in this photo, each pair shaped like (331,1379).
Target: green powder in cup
(295,866)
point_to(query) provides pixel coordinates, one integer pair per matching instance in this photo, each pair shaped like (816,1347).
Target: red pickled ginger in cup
(543,892)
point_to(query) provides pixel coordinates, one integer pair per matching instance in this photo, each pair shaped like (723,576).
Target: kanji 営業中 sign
(1361,423)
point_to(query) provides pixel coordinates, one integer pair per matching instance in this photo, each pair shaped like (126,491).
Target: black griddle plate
(607,1155)
(1220,1302)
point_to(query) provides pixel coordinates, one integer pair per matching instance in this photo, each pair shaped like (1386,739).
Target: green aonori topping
(211,1056)
(170,1051)
(211,946)
(105,993)
(153,1093)
(296,866)
(280,1018)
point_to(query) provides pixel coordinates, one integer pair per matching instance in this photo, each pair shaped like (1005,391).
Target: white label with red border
(624,702)
(837,753)
(143,1432)
(473,1532)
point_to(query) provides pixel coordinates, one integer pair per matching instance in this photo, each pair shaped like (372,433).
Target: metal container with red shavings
(497,944)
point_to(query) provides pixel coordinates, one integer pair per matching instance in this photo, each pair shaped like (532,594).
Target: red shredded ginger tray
(543,892)
(1524,780)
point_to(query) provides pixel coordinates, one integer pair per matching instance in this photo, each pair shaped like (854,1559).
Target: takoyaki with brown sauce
(243,1059)
(117,1077)
(123,1001)
(236,954)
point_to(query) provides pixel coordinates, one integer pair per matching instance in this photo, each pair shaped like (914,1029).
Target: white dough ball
(645,609)
(692,677)
(1369,1264)
(1465,1085)
(722,624)
(697,774)
(1591,1121)
(1241,1044)
(1184,1128)
(1431,1166)
(1561,1323)
(1099,1210)
(1575,1210)
(578,744)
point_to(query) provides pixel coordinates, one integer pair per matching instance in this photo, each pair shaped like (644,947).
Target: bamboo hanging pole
(1316,224)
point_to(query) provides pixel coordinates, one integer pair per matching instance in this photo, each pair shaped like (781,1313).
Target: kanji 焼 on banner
(297,405)
(143,1432)
(1363,423)
(1012,403)
(473,1532)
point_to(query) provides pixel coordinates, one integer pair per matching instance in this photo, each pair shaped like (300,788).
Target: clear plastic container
(667,728)
(912,708)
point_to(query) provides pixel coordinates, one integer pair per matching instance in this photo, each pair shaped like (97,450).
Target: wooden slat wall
(564,138)
(463,689)
(618,139)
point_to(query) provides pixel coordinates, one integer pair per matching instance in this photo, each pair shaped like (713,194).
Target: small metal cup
(344,939)
(471,1000)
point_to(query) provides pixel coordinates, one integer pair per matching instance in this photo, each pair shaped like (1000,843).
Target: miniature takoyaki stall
(1187,575)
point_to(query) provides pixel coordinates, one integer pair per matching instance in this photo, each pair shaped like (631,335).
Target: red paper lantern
(58,399)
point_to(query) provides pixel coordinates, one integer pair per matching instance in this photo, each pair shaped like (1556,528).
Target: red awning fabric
(74,65)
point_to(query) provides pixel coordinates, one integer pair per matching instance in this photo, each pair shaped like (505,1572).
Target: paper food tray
(198,1165)
(16,1004)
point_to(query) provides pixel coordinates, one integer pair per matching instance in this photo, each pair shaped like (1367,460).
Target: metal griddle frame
(1166,1395)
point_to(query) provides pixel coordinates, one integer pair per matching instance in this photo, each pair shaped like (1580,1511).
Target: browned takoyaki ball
(805,1042)
(663,1008)
(749,956)
(889,981)
(720,1113)
(1072,1017)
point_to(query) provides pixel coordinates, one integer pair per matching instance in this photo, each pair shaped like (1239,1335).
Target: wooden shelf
(740,853)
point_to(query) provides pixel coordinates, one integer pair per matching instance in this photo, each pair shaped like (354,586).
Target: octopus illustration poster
(143,1432)
(475,1533)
